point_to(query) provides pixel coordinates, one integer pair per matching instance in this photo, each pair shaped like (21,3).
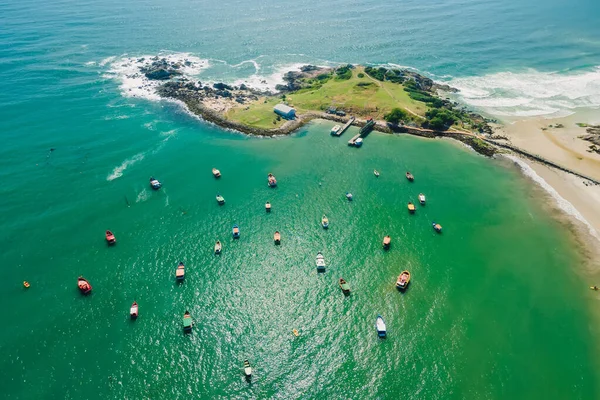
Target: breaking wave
(118,171)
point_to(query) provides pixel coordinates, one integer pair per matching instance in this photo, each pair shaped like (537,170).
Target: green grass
(258,114)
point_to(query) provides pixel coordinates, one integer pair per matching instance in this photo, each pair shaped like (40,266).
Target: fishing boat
(349,196)
(236,231)
(180,272)
(403,280)
(380,326)
(320,262)
(387,240)
(437,227)
(155,184)
(187,322)
(84,286)
(272,182)
(422,198)
(220,199)
(376,173)
(410,176)
(247,369)
(411,208)
(358,142)
(277,238)
(133,311)
(324,222)
(26,284)
(344,286)
(218,247)
(110,238)
(216,173)
(335,130)
(268,206)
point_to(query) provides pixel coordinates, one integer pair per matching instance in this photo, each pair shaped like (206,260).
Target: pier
(339,133)
(352,141)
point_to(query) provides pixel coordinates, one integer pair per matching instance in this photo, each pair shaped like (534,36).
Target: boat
(247,369)
(268,206)
(320,262)
(295,332)
(26,284)
(591,287)
(349,196)
(272,182)
(335,130)
(380,326)
(387,240)
(437,227)
(358,142)
(187,322)
(376,173)
(236,231)
(411,207)
(218,247)
(133,311)
(422,198)
(155,184)
(110,237)
(84,286)
(325,222)
(403,280)
(277,238)
(410,176)
(216,173)
(220,199)
(180,272)
(344,286)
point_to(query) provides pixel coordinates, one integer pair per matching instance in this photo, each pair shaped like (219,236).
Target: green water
(494,309)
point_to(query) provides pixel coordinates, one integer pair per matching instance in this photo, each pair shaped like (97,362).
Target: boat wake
(118,171)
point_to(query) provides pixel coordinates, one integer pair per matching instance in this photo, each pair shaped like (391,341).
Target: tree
(396,115)
(437,124)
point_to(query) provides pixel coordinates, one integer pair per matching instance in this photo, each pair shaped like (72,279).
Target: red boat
(84,285)
(110,237)
(133,311)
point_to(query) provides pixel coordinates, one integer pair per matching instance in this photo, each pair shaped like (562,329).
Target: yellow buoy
(26,284)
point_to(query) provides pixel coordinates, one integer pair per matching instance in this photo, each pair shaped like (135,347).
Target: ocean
(498,305)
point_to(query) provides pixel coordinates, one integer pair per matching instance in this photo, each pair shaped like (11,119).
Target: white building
(286,112)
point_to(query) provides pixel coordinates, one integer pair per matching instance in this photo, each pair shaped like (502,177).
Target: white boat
(422,198)
(349,196)
(320,262)
(247,369)
(358,142)
(380,326)
(335,129)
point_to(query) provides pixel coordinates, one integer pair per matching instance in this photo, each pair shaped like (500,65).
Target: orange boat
(403,280)
(277,237)
(411,208)
(387,240)
(110,238)
(133,311)
(180,273)
(83,285)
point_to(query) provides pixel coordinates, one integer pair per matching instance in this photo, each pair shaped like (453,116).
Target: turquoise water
(494,309)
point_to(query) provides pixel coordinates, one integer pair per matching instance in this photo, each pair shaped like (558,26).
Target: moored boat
(180,272)
(349,196)
(26,284)
(133,311)
(220,199)
(437,227)
(411,207)
(155,184)
(247,369)
(320,262)
(387,240)
(376,173)
(410,176)
(344,286)
(218,247)
(216,173)
(84,286)
(325,222)
(335,130)
(187,322)
(110,237)
(403,280)
(380,326)
(272,182)
(268,206)
(277,237)
(358,142)
(422,198)
(235,231)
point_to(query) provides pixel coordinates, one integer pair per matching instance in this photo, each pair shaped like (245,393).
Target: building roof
(282,108)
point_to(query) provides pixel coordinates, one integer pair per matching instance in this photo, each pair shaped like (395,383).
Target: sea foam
(118,171)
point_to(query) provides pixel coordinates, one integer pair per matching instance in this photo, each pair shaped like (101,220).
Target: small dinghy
(387,240)
(133,311)
(155,184)
(110,238)
(358,142)
(271,181)
(335,130)
(344,286)
(247,369)
(422,199)
(277,237)
(376,173)
(187,322)
(411,208)
(380,326)
(403,280)
(26,284)
(84,286)
(437,227)
(410,176)
(320,262)
(268,207)
(325,222)
(218,247)
(349,196)
(220,200)
(235,231)
(180,273)
(216,173)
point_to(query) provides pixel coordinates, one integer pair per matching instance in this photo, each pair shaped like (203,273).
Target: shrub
(395,116)
(361,75)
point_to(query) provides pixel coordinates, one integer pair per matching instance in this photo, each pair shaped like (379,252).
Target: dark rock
(222,86)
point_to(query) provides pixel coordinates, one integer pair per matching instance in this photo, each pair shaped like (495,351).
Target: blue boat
(380,326)
(236,232)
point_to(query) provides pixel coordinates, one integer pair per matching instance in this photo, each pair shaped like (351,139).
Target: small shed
(286,112)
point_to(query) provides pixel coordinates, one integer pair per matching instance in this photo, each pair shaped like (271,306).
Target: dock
(350,121)
(352,141)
